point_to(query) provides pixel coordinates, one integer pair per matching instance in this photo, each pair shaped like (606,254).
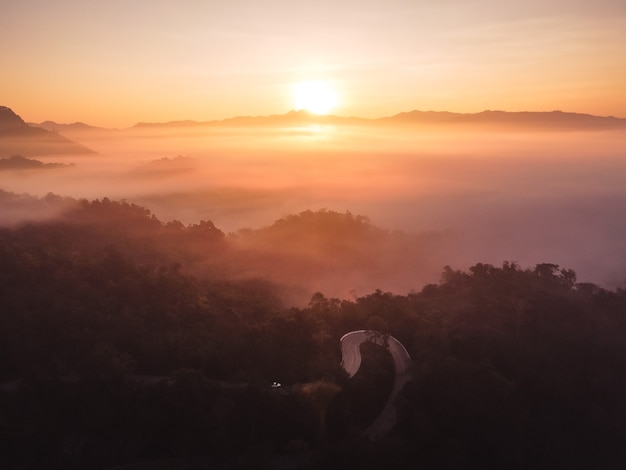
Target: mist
(439,197)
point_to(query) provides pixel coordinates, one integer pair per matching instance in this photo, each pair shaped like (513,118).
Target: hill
(291,118)
(553,120)
(113,351)
(17,162)
(18,138)
(523,120)
(9,120)
(73,127)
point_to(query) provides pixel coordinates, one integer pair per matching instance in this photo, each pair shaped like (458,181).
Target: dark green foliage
(126,350)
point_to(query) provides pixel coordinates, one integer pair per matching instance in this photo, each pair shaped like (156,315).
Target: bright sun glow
(317,97)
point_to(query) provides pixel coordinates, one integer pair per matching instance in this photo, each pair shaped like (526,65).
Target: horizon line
(322,116)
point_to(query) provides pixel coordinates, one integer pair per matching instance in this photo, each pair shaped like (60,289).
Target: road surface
(351,362)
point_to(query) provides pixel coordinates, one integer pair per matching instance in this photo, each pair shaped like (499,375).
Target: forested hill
(514,367)
(337,253)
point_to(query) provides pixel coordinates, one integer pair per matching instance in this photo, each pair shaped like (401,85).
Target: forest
(129,342)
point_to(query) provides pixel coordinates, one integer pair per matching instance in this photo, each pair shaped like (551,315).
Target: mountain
(524,120)
(17,162)
(73,127)
(9,120)
(291,118)
(554,120)
(18,138)
(166,167)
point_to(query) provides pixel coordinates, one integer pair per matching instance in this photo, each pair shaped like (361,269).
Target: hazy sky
(116,62)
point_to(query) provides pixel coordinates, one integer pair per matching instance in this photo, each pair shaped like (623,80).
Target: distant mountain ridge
(75,126)
(540,119)
(18,138)
(290,118)
(548,120)
(524,119)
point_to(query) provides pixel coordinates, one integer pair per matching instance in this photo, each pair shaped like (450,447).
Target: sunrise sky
(116,62)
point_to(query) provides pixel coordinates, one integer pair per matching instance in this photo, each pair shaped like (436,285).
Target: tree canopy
(127,348)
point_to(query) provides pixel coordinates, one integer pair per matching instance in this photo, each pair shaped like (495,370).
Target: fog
(458,197)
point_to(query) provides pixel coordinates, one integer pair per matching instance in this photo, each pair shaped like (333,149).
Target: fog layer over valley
(179,297)
(346,209)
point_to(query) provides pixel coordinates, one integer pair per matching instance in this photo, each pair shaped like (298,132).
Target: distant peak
(299,112)
(10,120)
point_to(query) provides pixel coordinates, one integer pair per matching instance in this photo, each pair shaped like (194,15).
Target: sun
(319,97)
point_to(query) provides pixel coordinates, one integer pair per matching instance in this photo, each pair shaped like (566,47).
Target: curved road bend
(351,362)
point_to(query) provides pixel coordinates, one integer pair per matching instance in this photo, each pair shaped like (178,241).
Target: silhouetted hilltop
(17,209)
(17,162)
(553,120)
(291,118)
(18,138)
(166,167)
(73,127)
(538,120)
(9,120)
(185,123)
(525,119)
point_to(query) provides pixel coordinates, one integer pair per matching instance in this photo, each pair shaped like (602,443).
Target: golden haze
(113,64)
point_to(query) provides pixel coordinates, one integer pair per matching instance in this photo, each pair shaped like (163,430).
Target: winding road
(351,362)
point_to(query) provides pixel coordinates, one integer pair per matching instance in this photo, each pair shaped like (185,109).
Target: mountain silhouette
(9,120)
(17,162)
(11,124)
(291,118)
(18,138)
(553,120)
(73,127)
(524,119)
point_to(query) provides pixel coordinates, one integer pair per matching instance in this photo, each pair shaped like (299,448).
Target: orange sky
(116,62)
